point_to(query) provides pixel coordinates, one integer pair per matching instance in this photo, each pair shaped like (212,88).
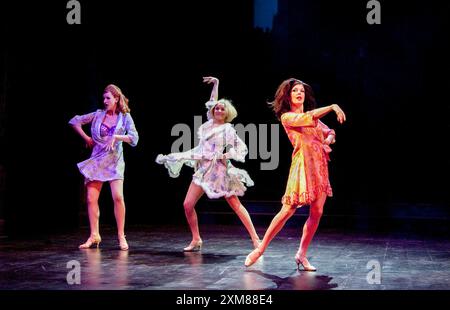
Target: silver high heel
(304,262)
(194,246)
(123,244)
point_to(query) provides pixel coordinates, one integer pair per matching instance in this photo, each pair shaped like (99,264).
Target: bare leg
(243,215)
(310,227)
(119,211)
(93,192)
(275,226)
(192,196)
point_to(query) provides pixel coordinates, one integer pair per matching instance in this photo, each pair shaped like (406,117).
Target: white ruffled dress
(217,177)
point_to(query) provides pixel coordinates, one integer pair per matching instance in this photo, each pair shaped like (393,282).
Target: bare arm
(115,138)
(124,138)
(78,121)
(80,131)
(215,91)
(86,138)
(321,112)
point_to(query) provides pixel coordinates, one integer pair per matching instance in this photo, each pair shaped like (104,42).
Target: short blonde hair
(229,108)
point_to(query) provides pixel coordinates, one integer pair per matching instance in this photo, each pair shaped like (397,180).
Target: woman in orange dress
(308,182)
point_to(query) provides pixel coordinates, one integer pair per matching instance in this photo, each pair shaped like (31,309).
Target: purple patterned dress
(105,165)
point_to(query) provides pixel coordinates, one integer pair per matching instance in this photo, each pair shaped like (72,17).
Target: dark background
(390,159)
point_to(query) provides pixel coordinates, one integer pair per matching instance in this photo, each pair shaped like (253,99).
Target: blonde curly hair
(229,108)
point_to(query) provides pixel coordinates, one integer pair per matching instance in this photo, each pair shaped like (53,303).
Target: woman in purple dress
(109,128)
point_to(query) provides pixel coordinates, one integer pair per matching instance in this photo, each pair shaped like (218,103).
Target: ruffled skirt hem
(215,178)
(305,198)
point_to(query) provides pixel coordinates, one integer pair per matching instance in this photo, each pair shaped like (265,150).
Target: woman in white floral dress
(214,173)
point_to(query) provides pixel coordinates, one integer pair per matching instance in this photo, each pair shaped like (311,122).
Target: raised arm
(321,112)
(293,119)
(215,91)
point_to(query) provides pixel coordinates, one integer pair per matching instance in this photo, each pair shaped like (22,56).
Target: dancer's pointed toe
(252,257)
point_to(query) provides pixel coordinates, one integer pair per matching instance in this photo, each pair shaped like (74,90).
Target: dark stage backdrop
(391,80)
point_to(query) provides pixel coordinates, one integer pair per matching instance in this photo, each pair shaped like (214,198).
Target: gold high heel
(194,246)
(256,255)
(90,242)
(304,262)
(123,244)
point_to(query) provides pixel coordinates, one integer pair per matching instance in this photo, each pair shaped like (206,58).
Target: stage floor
(155,261)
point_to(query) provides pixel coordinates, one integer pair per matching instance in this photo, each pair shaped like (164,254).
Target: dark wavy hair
(282,102)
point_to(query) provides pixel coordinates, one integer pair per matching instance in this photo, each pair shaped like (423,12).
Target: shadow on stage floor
(346,260)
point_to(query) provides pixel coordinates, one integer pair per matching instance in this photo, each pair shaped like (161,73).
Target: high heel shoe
(304,262)
(123,244)
(194,246)
(252,257)
(90,242)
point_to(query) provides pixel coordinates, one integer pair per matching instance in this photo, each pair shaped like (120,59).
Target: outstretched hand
(210,79)
(340,114)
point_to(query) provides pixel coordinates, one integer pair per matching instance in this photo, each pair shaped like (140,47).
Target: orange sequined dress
(308,175)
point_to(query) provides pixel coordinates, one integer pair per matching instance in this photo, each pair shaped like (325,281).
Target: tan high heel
(252,257)
(304,262)
(123,244)
(90,242)
(194,246)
